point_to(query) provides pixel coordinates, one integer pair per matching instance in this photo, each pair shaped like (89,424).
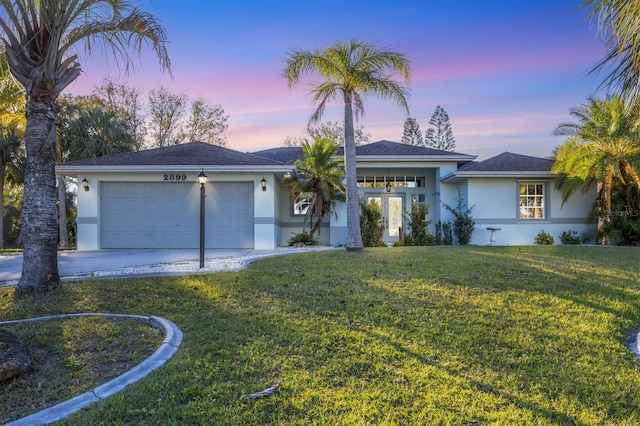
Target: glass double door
(392,217)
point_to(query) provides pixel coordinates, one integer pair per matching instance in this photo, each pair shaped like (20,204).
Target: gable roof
(179,157)
(375,151)
(508,161)
(284,154)
(387,148)
(503,165)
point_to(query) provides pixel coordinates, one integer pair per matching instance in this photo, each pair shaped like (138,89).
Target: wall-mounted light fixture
(85,184)
(263,182)
(388,186)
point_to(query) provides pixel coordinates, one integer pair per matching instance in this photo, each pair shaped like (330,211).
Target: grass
(390,336)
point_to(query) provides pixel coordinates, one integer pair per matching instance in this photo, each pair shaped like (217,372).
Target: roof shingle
(509,162)
(187,154)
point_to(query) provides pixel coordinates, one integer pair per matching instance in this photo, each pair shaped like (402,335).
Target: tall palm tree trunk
(39,213)
(354,237)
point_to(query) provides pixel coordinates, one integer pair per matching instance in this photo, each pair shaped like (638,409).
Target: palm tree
(320,176)
(40,38)
(619,24)
(350,71)
(603,146)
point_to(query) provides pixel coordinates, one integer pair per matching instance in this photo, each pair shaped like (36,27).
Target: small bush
(544,239)
(304,238)
(570,237)
(463,223)
(370,228)
(444,234)
(418,233)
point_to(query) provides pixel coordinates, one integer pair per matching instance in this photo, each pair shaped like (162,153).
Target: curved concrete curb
(169,346)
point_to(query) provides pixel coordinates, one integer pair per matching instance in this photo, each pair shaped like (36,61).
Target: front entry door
(392,218)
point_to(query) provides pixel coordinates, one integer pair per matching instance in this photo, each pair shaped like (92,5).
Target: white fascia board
(175,168)
(456,177)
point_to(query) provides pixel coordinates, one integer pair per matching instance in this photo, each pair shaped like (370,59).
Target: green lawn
(390,336)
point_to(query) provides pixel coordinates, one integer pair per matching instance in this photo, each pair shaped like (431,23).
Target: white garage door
(167,215)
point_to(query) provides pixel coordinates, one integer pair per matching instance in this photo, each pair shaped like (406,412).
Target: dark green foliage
(544,239)
(12,214)
(303,238)
(440,136)
(570,237)
(463,224)
(411,134)
(418,233)
(621,225)
(370,219)
(444,234)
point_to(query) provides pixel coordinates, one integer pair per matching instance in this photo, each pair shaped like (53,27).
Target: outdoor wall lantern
(202,179)
(263,182)
(85,184)
(388,186)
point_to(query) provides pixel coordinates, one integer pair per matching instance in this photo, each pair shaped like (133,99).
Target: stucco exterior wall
(495,205)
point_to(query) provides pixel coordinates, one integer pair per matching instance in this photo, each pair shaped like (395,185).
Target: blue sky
(506,71)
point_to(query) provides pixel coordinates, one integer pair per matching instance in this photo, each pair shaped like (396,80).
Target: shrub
(570,237)
(447,233)
(463,224)
(304,238)
(370,219)
(544,239)
(418,234)
(443,234)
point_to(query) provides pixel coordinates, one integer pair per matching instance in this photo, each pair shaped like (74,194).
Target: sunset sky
(506,71)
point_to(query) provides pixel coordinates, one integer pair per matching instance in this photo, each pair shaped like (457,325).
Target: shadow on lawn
(516,319)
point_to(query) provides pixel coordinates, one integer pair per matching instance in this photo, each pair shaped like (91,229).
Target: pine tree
(411,135)
(440,136)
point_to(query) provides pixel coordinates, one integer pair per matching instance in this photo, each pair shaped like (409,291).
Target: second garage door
(166,215)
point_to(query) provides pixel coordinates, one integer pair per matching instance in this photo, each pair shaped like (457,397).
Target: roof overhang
(459,176)
(71,170)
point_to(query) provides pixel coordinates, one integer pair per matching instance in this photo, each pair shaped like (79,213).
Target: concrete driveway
(114,263)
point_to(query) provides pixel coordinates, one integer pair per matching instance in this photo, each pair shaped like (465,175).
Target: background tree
(619,26)
(11,135)
(40,39)
(166,111)
(331,130)
(319,175)
(86,130)
(602,148)
(350,71)
(411,133)
(206,124)
(11,163)
(124,102)
(440,136)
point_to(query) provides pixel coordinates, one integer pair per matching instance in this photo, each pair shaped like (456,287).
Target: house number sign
(174,176)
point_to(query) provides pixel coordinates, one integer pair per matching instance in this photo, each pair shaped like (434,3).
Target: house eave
(72,170)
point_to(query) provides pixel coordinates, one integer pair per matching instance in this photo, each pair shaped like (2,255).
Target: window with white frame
(302,203)
(531,200)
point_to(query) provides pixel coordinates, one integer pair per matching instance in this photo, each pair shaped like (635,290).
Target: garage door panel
(167,215)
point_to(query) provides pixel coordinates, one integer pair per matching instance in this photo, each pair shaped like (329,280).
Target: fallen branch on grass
(267,392)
